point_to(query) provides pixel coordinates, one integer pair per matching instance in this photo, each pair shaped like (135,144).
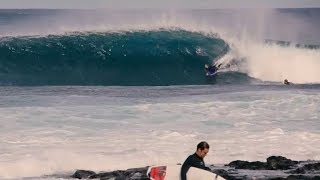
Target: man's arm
(185,168)
(207,168)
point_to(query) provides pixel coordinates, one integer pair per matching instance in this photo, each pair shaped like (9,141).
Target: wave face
(158,47)
(127,58)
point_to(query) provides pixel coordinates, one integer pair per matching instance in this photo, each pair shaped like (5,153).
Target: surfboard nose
(157,173)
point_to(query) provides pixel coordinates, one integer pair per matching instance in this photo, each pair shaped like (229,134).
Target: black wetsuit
(192,161)
(211,69)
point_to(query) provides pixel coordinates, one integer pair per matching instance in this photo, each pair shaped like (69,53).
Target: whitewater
(107,90)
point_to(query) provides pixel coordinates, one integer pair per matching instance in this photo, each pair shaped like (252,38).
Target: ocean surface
(116,89)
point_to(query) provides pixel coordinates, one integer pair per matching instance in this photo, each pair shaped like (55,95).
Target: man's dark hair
(203,145)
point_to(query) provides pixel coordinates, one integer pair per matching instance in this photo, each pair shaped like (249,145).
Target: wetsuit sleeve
(204,167)
(184,169)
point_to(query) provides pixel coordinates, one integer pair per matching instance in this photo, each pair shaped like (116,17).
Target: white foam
(62,134)
(275,63)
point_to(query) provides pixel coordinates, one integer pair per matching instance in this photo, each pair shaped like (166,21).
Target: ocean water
(116,89)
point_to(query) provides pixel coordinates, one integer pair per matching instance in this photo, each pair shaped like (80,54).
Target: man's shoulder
(190,157)
(193,157)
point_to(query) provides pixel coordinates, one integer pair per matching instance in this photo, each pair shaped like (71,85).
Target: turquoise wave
(141,58)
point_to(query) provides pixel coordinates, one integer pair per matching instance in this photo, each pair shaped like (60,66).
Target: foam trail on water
(272,62)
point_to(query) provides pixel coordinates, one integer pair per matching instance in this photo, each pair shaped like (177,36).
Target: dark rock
(114,178)
(312,167)
(129,174)
(112,174)
(223,173)
(299,170)
(307,168)
(280,163)
(303,177)
(256,165)
(273,163)
(297,177)
(81,174)
(139,176)
(121,178)
(137,173)
(276,168)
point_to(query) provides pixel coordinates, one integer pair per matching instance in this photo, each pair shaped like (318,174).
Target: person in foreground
(195,160)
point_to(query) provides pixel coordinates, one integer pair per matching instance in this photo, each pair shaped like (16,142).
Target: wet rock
(256,165)
(129,174)
(280,163)
(309,168)
(139,176)
(273,163)
(312,167)
(298,171)
(225,174)
(107,175)
(303,177)
(82,174)
(275,168)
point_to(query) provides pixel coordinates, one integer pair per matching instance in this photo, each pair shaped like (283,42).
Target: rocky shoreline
(275,168)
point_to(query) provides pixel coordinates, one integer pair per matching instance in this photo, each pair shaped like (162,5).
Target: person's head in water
(202,149)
